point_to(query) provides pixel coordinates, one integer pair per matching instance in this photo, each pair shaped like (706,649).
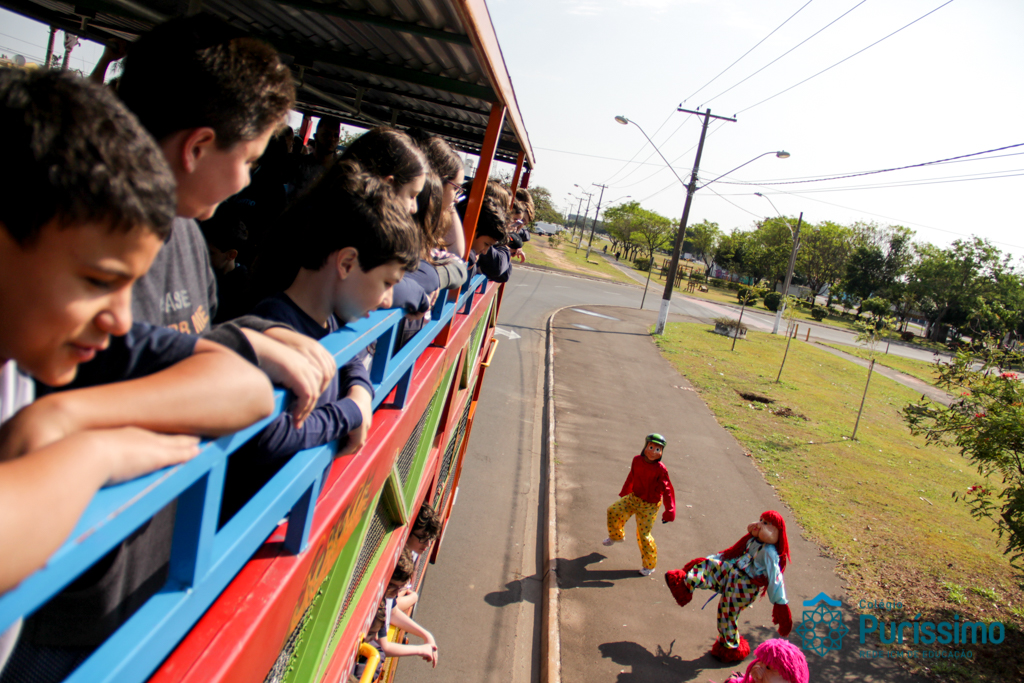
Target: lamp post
(666,299)
(792,260)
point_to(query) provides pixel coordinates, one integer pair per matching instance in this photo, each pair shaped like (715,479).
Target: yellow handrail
(490,355)
(372,655)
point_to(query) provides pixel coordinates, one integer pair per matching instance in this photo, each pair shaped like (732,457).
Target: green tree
(824,250)
(949,283)
(766,250)
(544,209)
(652,231)
(729,252)
(621,222)
(880,260)
(986,424)
(704,238)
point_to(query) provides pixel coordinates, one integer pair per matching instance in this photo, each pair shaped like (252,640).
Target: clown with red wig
(754,564)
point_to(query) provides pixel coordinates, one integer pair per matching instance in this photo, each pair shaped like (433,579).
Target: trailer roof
(432,64)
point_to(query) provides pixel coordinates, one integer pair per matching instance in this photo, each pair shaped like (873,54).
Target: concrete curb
(550,655)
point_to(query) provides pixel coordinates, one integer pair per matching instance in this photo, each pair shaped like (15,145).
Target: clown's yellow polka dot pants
(625,508)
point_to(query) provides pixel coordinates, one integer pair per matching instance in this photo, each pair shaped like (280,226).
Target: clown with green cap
(647,485)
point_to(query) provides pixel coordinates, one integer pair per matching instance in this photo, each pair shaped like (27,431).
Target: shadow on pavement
(649,667)
(519,590)
(574,573)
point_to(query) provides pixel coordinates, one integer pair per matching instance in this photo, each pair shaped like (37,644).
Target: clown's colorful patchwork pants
(620,512)
(735,587)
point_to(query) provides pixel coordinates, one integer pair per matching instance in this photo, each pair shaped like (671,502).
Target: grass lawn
(881,505)
(923,370)
(539,252)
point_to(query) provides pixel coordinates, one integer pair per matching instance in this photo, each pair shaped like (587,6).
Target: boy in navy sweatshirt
(646,486)
(354,241)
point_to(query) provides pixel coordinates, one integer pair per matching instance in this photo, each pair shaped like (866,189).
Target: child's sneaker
(646,572)
(609,541)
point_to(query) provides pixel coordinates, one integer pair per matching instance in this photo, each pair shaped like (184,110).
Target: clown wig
(783,657)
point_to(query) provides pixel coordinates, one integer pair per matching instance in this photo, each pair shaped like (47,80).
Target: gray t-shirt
(16,392)
(180,290)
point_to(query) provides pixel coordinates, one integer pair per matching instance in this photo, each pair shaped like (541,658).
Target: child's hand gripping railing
(203,558)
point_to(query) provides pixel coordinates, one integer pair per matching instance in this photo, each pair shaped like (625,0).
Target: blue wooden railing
(204,559)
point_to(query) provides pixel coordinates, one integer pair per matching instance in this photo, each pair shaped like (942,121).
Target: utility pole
(596,216)
(576,221)
(584,230)
(49,47)
(666,298)
(789,276)
(70,41)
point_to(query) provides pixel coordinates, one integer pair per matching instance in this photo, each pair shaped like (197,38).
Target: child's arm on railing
(428,650)
(212,392)
(43,493)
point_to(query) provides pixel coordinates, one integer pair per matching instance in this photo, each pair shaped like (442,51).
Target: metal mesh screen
(280,667)
(478,332)
(408,454)
(449,457)
(380,526)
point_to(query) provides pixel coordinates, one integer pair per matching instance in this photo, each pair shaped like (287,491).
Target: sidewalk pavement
(611,388)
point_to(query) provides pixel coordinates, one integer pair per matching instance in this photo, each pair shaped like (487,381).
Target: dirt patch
(751,396)
(789,412)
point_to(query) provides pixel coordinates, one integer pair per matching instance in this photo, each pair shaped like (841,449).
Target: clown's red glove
(783,618)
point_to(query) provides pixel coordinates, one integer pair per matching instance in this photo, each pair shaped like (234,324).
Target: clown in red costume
(754,564)
(647,485)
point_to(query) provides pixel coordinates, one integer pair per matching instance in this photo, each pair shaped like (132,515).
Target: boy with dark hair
(355,242)
(212,99)
(104,199)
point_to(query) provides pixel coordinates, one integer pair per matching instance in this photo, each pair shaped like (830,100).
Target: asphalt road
(481,599)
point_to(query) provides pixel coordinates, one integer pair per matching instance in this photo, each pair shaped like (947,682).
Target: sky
(948,85)
(922,81)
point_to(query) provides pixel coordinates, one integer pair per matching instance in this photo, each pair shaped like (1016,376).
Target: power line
(845,58)
(722,197)
(7,35)
(750,50)
(884,170)
(931,181)
(788,51)
(663,168)
(595,156)
(780,181)
(653,152)
(639,150)
(897,221)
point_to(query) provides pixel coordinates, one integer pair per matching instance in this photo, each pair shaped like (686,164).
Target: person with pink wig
(775,661)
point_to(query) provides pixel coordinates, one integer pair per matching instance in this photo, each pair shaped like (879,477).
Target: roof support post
(306,128)
(515,178)
(526,178)
(483,172)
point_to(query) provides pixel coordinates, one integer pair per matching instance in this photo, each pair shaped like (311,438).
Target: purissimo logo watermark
(901,632)
(822,630)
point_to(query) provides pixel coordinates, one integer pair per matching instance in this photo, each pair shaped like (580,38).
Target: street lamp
(792,260)
(690,190)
